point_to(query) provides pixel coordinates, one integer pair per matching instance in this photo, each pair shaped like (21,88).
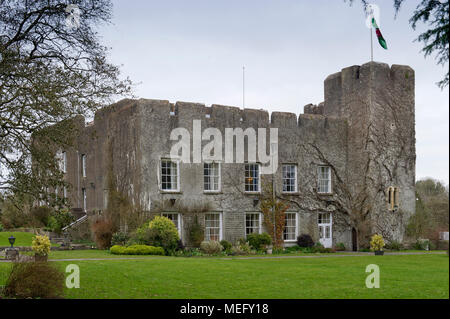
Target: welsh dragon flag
(381,40)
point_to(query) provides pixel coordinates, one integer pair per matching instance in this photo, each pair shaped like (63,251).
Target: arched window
(393,198)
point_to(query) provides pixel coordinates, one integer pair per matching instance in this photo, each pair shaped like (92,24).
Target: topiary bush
(258,241)
(376,243)
(211,247)
(41,245)
(34,280)
(305,240)
(136,250)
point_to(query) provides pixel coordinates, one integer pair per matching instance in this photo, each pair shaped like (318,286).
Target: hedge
(136,250)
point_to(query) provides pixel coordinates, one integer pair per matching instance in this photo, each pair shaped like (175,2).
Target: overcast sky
(194,50)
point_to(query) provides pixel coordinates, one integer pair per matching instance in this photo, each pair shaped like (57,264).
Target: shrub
(103,229)
(317,248)
(422,244)
(60,219)
(163,233)
(196,233)
(1,227)
(258,241)
(340,247)
(136,250)
(241,249)
(211,247)
(180,245)
(226,245)
(34,280)
(376,243)
(394,245)
(305,240)
(41,245)
(119,238)
(292,249)
(41,214)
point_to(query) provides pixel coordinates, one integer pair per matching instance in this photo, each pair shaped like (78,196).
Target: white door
(325,229)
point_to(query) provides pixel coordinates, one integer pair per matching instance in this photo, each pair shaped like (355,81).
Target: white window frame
(105,198)
(219,185)
(65,192)
(83,165)
(296,228)
(177,162)
(259,222)
(259,178)
(84,195)
(285,179)
(179,220)
(220,226)
(319,179)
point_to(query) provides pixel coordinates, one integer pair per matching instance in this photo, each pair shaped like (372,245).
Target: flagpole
(371,45)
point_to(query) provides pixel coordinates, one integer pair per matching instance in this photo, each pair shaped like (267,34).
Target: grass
(402,276)
(22,239)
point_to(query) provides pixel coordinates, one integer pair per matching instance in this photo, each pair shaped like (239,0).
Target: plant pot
(38,258)
(379,253)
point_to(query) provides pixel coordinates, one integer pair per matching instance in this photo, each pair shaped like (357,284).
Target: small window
(290,227)
(252,179)
(176,219)
(62,161)
(393,198)
(83,191)
(252,223)
(105,198)
(83,164)
(169,175)
(289,178)
(324,182)
(211,177)
(213,227)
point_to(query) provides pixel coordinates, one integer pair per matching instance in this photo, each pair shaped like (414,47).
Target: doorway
(354,240)
(325,229)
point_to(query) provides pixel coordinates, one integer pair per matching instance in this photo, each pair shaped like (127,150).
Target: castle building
(346,167)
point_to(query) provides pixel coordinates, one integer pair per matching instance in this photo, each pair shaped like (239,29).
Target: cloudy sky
(194,50)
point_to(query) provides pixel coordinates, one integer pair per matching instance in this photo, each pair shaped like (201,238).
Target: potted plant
(41,247)
(377,244)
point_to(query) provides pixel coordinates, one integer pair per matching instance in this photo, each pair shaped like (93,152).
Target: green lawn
(22,239)
(407,276)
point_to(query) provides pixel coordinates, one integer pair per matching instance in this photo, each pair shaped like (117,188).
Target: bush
(34,280)
(293,249)
(258,241)
(196,233)
(305,240)
(340,247)
(211,247)
(376,243)
(163,233)
(41,214)
(394,245)
(41,245)
(136,250)
(1,227)
(317,248)
(60,219)
(422,244)
(226,245)
(103,229)
(241,249)
(180,245)
(119,238)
